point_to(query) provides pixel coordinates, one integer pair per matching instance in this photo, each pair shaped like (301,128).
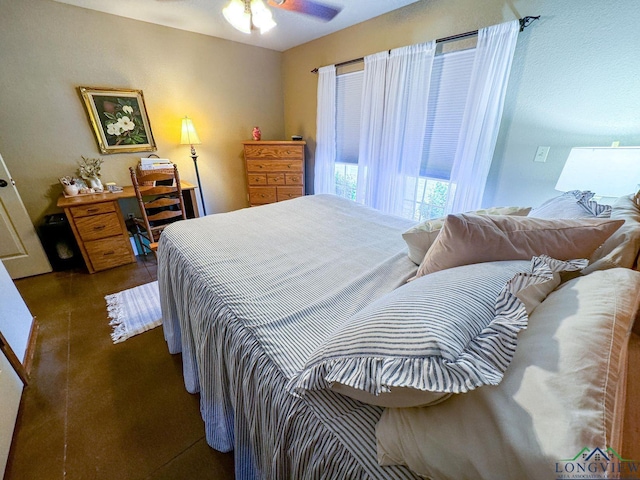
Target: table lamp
(606,171)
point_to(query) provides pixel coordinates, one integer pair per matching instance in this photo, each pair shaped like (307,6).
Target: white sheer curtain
(405,118)
(483,113)
(325,156)
(371,122)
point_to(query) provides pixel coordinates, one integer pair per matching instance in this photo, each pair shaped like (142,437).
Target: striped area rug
(134,311)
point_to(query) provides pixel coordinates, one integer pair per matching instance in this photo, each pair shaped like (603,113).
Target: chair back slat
(165,215)
(161,202)
(149,191)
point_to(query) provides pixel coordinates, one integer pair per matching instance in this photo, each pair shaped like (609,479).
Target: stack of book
(155,164)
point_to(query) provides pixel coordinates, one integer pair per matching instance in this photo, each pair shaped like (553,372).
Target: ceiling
(205,16)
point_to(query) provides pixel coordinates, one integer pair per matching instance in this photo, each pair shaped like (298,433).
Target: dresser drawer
(275,179)
(256,179)
(92,209)
(108,252)
(98,226)
(262,195)
(273,151)
(258,166)
(287,193)
(293,179)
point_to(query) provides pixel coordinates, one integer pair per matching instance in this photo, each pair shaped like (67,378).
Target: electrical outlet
(130,215)
(541,154)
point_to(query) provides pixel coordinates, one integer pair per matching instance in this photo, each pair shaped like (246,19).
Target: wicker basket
(142,173)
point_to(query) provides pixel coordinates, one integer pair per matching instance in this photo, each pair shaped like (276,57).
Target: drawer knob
(100,227)
(110,252)
(91,210)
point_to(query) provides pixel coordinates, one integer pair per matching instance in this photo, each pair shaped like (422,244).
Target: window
(427,196)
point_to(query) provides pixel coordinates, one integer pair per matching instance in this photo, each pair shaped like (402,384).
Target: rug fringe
(116,314)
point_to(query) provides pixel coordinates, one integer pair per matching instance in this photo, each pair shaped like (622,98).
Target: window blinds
(348,100)
(450,77)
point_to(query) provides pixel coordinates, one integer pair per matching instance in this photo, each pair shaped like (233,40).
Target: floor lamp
(190,137)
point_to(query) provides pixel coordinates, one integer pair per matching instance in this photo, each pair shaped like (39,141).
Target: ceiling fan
(309,7)
(243,14)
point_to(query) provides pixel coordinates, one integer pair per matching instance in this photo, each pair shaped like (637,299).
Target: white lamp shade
(237,16)
(189,135)
(241,14)
(261,16)
(606,171)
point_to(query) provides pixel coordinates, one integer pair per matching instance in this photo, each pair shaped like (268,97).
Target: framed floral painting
(119,119)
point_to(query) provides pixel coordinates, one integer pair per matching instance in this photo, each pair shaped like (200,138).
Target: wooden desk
(99,226)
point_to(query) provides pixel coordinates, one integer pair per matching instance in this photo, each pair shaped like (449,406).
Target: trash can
(59,243)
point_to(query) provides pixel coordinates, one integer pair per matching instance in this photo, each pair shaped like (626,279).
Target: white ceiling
(205,16)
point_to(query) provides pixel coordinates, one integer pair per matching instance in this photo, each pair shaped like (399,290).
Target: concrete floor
(95,410)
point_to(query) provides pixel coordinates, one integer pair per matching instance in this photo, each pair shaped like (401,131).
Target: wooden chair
(161,203)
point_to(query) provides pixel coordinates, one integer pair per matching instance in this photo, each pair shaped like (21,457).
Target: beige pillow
(396,397)
(420,237)
(560,394)
(621,248)
(469,238)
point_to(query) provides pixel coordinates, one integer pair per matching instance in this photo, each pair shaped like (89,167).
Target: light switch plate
(541,154)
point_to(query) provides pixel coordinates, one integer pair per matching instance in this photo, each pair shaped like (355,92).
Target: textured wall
(573,82)
(48,49)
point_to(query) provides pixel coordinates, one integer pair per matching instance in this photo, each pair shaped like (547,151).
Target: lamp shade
(606,171)
(243,14)
(238,15)
(261,16)
(189,134)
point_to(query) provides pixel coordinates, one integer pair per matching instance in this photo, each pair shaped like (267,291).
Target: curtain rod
(524,23)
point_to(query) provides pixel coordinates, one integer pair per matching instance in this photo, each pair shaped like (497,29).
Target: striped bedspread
(247,296)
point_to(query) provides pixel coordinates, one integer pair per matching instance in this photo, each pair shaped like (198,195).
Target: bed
(253,300)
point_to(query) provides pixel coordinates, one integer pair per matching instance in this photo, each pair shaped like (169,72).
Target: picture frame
(119,119)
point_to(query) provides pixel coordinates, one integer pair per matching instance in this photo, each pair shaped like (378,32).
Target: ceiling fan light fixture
(238,15)
(261,16)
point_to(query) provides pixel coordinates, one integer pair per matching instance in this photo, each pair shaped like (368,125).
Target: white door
(20,248)
(15,325)
(10,393)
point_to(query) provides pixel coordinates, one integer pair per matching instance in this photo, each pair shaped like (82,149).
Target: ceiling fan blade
(308,7)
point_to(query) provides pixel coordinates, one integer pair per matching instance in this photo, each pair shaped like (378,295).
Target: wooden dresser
(275,170)
(99,230)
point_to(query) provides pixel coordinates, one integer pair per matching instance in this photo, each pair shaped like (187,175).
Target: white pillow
(559,395)
(420,237)
(572,204)
(620,249)
(445,333)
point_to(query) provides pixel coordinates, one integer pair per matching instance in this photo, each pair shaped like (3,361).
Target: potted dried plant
(90,171)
